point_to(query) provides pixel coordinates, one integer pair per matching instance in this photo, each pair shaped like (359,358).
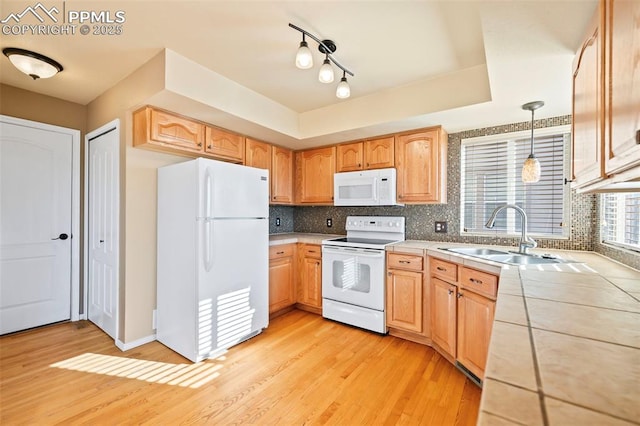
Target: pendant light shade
(31,63)
(304,58)
(531,168)
(326,72)
(343,91)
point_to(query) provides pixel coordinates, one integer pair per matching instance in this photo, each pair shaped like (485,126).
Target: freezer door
(233,287)
(232,191)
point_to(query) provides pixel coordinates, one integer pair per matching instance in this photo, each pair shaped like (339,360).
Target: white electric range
(353,271)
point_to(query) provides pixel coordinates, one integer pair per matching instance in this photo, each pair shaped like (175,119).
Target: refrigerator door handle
(207,253)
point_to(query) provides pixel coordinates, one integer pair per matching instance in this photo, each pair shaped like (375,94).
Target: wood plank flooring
(302,370)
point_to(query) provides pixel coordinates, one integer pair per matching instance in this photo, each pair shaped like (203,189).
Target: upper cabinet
(421,162)
(314,176)
(257,154)
(281,175)
(369,154)
(224,145)
(161,130)
(606,100)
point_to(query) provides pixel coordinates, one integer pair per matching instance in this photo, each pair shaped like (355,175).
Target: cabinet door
(623,65)
(349,157)
(421,167)
(404,300)
(443,315)
(314,180)
(588,113)
(281,283)
(257,154)
(176,131)
(225,145)
(475,319)
(281,176)
(379,153)
(310,292)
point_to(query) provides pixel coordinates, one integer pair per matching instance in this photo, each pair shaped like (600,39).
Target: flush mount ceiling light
(304,60)
(31,63)
(531,166)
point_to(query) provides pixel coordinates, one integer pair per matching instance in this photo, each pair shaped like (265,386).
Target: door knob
(61,237)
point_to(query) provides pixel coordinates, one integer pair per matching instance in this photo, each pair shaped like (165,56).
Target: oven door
(354,276)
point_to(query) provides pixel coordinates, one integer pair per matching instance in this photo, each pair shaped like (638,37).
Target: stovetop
(374,232)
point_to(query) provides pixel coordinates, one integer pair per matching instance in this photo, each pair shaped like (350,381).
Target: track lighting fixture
(531,166)
(304,60)
(31,63)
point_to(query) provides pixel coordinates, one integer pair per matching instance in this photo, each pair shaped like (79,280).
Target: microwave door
(355,192)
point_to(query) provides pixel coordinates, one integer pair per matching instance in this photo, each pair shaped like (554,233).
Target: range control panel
(375,223)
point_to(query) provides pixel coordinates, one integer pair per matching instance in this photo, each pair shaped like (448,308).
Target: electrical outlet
(277,221)
(441,227)
(329,223)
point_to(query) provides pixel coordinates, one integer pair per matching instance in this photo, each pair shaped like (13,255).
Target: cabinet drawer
(405,261)
(446,270)
(480,282)
(312,250)
(284,250)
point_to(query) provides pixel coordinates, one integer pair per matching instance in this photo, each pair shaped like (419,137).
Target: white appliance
(365,188)
(353,271)
(213,242)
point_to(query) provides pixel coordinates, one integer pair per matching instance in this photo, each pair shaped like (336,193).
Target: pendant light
(31,63)
(304,59)
(343,91)
(531,166)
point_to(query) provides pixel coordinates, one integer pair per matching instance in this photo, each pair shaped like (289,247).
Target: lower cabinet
(310,282)
(406,311)
(282,283)
(462,310)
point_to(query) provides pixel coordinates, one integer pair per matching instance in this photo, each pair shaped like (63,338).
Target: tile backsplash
(420,218)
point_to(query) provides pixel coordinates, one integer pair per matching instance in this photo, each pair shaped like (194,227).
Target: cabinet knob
(459,295)
(200,144)
(208,146)
(389,273)
(359,165)
(368,164)
(450,292)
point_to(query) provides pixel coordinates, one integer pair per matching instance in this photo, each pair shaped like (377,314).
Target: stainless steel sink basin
(505,256)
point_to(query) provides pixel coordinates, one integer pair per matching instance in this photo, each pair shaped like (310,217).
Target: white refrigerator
(213,260)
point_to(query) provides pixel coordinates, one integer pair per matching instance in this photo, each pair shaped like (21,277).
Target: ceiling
(399,52)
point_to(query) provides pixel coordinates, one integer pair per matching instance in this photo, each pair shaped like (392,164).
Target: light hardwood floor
(302,370)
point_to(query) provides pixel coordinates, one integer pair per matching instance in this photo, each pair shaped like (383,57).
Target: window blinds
(491,176)
(621,219)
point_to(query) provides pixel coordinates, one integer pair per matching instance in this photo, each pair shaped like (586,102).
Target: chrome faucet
(526,242)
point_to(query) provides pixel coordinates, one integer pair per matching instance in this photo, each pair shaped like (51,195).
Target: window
(491,176)
(620,221)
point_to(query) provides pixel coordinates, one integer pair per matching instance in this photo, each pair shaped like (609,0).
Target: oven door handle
(349,250)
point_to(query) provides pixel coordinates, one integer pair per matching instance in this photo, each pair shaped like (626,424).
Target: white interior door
(35,226)
(102,241)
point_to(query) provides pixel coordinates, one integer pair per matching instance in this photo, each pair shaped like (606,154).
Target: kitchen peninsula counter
(565,344)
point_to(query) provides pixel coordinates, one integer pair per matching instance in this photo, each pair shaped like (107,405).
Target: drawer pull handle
(440,268)
(279,252)
(404,261)
(475,281)
(450,292)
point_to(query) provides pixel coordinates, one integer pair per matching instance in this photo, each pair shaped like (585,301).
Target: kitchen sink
(509,258)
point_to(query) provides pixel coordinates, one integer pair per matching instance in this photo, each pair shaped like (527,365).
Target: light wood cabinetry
(369,154)
(407,307)
(606,101)
(314,176)
(462,309)
(281,176)
(310,284)
(257,154)
(475,320)
(225,145)
(420,159)
(164,131)
(282,284)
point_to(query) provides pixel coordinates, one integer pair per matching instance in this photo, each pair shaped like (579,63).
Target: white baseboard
(130,345)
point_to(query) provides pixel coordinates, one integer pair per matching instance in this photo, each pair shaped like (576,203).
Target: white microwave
(365,188)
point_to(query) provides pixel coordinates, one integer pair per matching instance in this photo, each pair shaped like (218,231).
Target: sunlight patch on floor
(184,375)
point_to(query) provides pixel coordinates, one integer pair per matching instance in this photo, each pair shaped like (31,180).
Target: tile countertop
(299,237)
(565,345)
